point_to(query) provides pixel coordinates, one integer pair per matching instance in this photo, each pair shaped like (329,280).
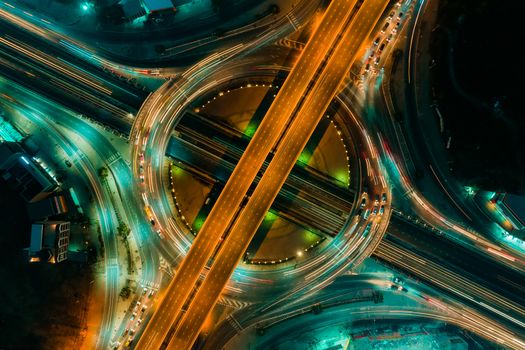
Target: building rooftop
(49,241)
(55,205)
(158,5)
(23,174)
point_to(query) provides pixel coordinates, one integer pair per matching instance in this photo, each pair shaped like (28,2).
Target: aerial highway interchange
(194,267)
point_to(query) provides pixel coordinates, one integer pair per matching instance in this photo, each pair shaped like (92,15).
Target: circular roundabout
(329,215)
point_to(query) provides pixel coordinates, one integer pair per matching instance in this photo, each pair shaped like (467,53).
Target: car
(144,307)
(376,198)
(376,62)
(394,30)
(139,321)
(160,234)
(367,230)
(130,341)
(399,16)
(363,202)
(381,48)
(382,210)
(68,163)
(398,287)
(383,197)
(151,293)
(366,214)
(398,280)
(383,30)
(376,42)
(152,221)
(374,212)
(391,15)
(389,38)
(367,68)
(131,332)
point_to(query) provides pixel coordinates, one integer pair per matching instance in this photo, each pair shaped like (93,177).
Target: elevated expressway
(309,198)
(324,89)
(337,254)
(275,121)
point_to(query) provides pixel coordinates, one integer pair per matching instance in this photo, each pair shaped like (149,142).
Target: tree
(125,292)
(103,172)
(123,230)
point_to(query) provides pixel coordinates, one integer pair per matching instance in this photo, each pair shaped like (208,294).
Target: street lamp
(85,6)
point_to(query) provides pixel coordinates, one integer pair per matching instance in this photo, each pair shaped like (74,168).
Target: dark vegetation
(477,80)
(42,306)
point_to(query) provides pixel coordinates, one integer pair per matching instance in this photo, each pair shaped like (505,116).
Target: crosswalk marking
(233,303)
(293,20)
(235,324)
(113,158)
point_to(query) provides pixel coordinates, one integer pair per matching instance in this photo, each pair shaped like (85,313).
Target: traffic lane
(230,145)
(282,283)
(284,96)
(505,281)
(284,159)
(179,289)
(250,316)
(242,177)
(78,100)
(106,151)
(452,284)
(291,200)
(125,91)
